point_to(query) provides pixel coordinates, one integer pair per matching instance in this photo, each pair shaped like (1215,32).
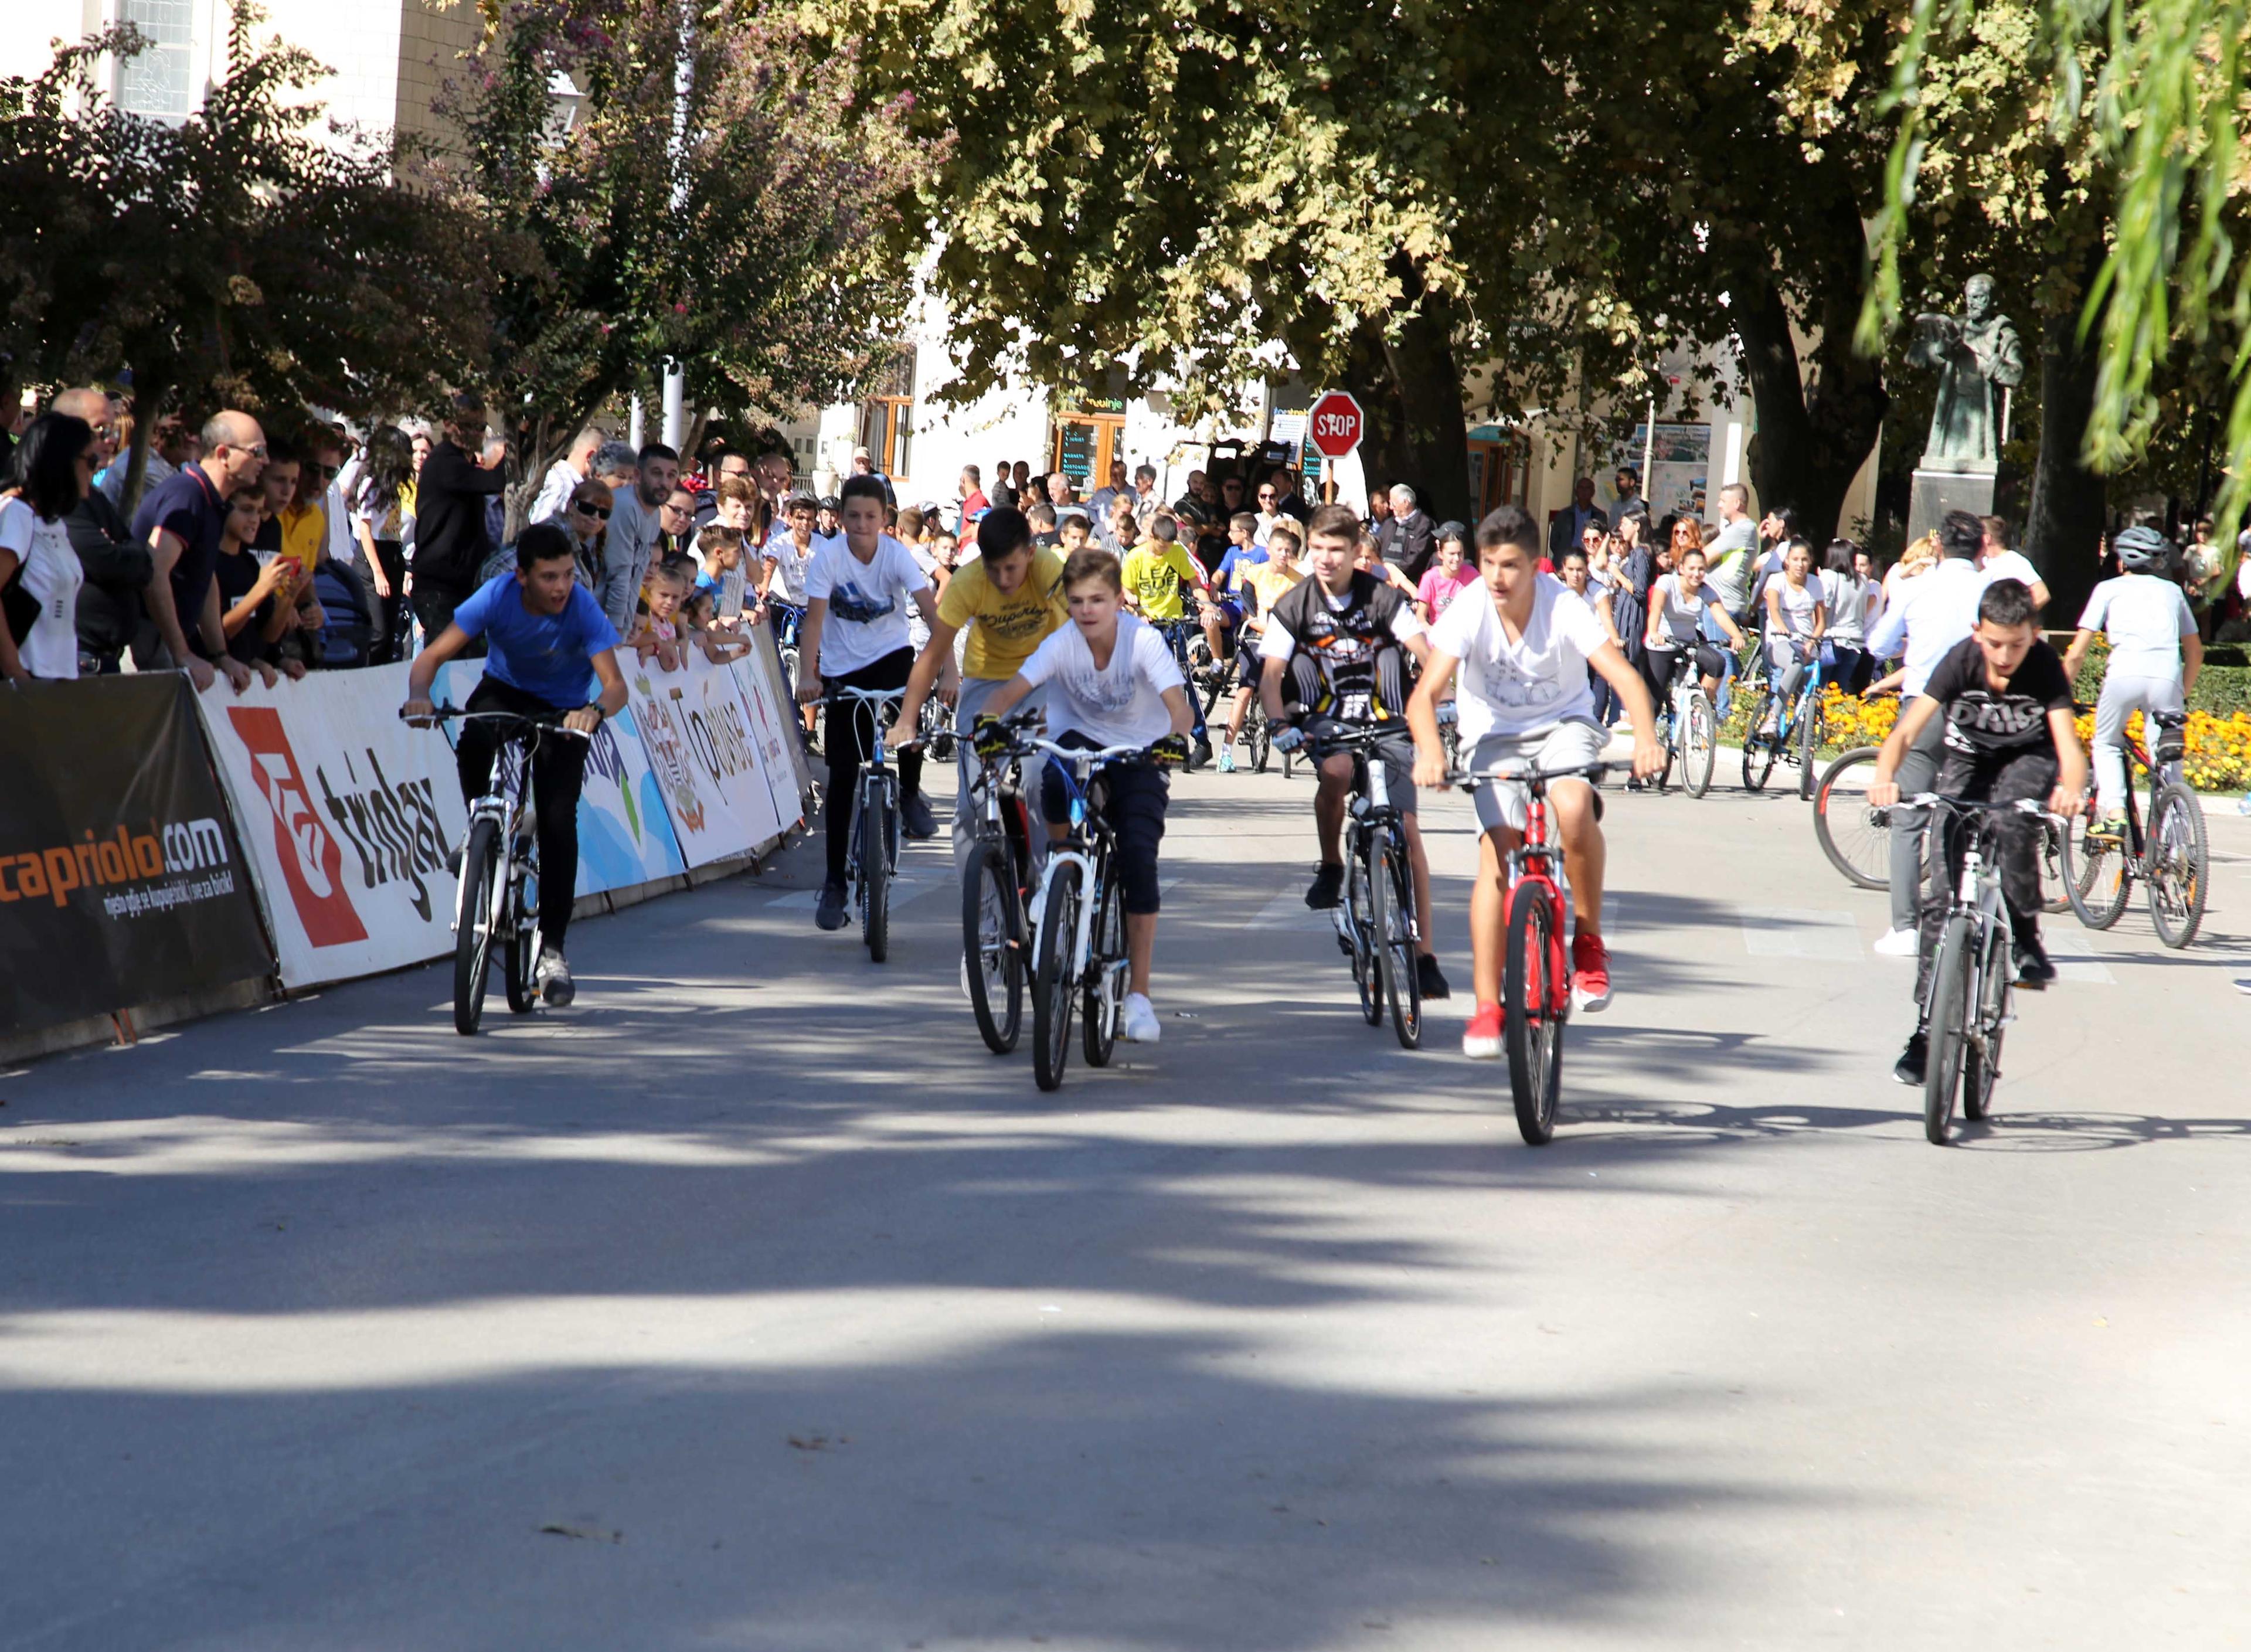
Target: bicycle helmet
(2141,549)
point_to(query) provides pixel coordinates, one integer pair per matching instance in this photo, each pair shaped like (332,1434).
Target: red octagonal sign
(1334,425)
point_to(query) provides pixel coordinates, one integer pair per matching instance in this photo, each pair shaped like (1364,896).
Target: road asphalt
(751,1303)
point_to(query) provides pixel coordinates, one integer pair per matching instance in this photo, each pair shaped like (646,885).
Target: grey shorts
(1398,760)
(1566,745)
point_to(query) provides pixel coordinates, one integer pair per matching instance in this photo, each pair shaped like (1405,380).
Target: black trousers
(389,611)
(2005,780)
(434,609)
(1134,796)
(557,772)
(845,739)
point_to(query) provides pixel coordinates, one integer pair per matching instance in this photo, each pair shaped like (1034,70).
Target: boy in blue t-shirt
(547,639)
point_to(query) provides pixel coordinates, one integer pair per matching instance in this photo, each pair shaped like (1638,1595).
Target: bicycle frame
(1088,861)
(874,779)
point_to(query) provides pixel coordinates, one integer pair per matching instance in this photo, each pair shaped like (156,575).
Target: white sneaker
(1895,943)
(1141,1020)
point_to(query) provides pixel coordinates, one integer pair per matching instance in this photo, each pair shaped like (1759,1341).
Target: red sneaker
(1481,1038)
(1590,973)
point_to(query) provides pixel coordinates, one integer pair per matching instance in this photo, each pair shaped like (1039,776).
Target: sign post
(1334,427)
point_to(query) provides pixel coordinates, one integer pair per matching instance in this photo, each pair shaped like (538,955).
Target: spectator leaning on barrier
(256,598)
(587,519)
(113,600)
(634,529)
(40,571)
(182,523)
(451,543)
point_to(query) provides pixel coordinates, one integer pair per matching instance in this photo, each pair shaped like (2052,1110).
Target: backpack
(348,629)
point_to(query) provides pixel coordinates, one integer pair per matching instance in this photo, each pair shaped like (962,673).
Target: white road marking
(1799,931)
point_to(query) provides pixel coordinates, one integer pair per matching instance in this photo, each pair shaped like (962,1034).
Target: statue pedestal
(1936,492)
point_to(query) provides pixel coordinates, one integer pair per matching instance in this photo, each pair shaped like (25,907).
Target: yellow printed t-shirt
(304,531)
(1008,627)
(1269,581)
(1156,578)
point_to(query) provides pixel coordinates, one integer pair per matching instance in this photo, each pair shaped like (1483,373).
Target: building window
(886,417)
(159,80)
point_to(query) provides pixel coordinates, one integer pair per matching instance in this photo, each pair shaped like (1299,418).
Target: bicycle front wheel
(522,922)
(1360,921)
(1758,748)
(1534,987)
(2178,876)
(1855,836)
(1952,983)
(1105,946)
(1700,746)
(1812,730)
(1054,984)
(993,942)
(874,874)
(2096,880)
(1981,1062)
(1261,737)
(473,938)
(1395,900)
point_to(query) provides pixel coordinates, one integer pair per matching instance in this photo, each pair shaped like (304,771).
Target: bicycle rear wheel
(2178,861)
(522,922)
(1758,748)
(1105,946)
(1950,1012)
(992,941)
(2096,879)
(1360,919)
(473,938)
(1981,1064)
(2055,895)
(1700,750)
(1534,1030)
(874,874)
(1395,900)
(1856,837)
(1812,731)
(1053,988)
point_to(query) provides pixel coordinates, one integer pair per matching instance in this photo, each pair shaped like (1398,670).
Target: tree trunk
(136,463)
(2065,519)
(1410,388)
(1809,447)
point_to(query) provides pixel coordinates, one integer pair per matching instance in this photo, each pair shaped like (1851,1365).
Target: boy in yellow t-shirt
(1012,591)
(1262,584)
(1159,573)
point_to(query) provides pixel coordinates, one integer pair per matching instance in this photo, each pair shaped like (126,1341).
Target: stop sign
(1334,425)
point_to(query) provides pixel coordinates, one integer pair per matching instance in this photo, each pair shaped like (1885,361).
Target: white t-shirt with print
(1533,682)
(1121,705)
(868,602)
(2145,616)
(51,574)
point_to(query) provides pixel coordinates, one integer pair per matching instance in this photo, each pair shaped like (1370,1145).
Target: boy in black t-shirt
(2009,736)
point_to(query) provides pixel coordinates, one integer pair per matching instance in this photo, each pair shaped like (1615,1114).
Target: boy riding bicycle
(548,640)
(2009,735)
(2156,654)
(1523,643)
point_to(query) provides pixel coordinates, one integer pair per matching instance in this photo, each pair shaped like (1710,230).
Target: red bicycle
(1536,964)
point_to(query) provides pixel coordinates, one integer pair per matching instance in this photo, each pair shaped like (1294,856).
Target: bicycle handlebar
(1530,776)
(543,720)
(2014,806)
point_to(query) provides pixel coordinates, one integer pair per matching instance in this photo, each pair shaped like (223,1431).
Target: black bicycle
(496,898)
(996,893)
(874,839)
(1376,921)
(2171,859)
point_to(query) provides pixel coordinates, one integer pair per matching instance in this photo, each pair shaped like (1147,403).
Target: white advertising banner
(697,732)
(347,816)
(625,837)
(774,729)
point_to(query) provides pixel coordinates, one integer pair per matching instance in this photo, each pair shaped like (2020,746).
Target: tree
(720,196)
(245,257)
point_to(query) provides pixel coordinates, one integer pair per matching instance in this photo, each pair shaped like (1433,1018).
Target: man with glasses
(182,523)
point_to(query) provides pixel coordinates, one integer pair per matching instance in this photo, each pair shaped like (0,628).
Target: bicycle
(1801,723)
(1375,921)
(2172,859)
(1181,635)
(996,893)
(1079,946)
(1856,836)
(1535,961)
(489,904)
(874,857)
(1971,993)
(1688,728)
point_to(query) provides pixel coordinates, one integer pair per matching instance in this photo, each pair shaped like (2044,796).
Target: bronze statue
(1977,356)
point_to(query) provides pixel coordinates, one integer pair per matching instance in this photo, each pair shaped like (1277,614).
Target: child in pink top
(1447,578)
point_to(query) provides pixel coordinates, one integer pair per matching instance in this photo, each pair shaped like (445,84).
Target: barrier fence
(163,848)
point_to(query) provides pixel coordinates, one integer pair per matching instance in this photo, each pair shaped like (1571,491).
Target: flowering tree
(673,178)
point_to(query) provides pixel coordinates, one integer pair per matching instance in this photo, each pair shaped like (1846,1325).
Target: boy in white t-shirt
(2155,655)
(857,591)
(1111,680)
(1523,641)
(1996,561)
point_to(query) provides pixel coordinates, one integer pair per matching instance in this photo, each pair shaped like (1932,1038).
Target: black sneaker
(1909,1069)
(915,816)
(829,914)
(1328,887)
(2034,968)
(1430,979)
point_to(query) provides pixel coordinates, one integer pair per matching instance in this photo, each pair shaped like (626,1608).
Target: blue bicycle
(1800,726)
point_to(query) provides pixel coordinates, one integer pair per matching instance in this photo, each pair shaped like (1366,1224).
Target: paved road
(751,1304)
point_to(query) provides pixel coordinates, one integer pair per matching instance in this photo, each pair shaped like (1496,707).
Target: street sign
(1335,424)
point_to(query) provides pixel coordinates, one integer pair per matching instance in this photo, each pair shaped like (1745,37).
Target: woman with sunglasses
(587,520)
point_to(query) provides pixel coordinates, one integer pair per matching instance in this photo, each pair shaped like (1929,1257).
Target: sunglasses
(326,473)
(1265,494)
(600,513)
